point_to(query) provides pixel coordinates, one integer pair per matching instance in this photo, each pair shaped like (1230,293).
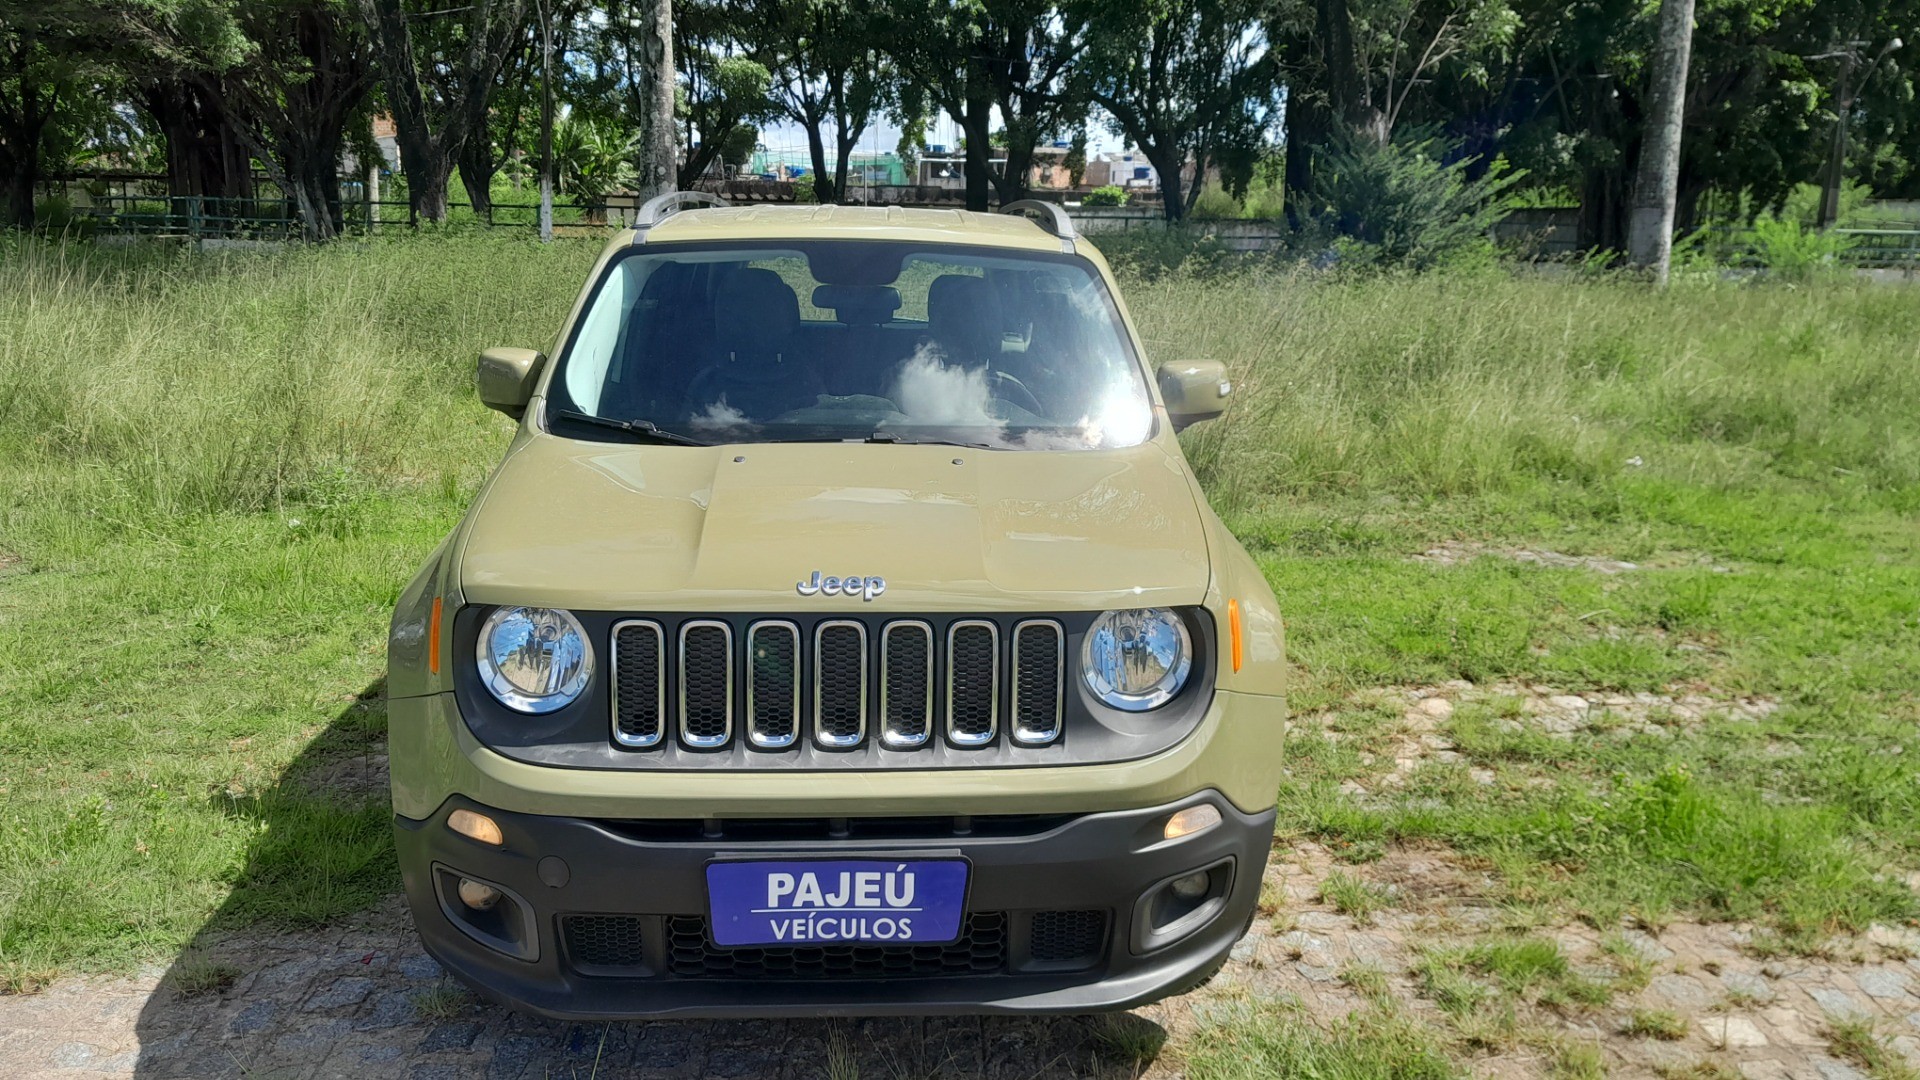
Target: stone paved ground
(361,999)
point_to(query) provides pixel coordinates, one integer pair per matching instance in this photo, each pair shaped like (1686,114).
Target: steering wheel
(1020,395)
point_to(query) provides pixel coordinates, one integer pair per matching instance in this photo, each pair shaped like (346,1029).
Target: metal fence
(1540,233)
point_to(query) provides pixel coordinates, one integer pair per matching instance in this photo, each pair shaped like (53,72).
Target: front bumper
(646,881)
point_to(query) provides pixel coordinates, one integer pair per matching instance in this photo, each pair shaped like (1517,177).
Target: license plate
(826,901)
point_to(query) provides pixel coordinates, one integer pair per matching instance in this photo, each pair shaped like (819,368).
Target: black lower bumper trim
(1050,924)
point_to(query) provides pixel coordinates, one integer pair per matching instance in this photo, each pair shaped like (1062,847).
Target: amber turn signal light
(433,639)
(1192,820)
(476,827)
(1233,631)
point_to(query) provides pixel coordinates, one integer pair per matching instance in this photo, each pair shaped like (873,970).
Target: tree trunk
(976,122)
(20,133)
(1011,183)
(1346,86)
(1650,232)
(657,168)
(476,170)
(426,187)
(21,178)
(1307,127)
(1166,160)
(823,184)
(844,141)
(205,156)
(1603,197)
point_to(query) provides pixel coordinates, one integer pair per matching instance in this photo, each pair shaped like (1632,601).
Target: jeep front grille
(973,682)
(906,684)
(706,684)
(773,684)
(639,684)
(1039,688)
(839,685)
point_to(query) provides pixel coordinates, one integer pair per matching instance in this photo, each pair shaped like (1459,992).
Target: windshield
(854,340)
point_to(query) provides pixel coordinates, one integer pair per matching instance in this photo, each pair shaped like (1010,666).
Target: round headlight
(1138,659)
(535,660)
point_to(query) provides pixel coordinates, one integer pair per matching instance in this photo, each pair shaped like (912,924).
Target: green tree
(1187,81)
(976,59)
(828,69)
(439,66)
(60,59)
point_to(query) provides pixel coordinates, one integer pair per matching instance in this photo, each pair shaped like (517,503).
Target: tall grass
(184,384)
(216,472)
(1438,385)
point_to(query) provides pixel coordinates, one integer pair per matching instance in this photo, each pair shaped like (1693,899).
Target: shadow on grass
(311,969)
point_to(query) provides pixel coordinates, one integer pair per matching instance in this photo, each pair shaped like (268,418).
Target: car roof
(852,223)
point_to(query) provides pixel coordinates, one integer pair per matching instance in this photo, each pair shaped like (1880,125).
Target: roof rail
(661,207)
(1049,216)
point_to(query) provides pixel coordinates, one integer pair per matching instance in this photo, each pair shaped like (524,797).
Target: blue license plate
(827,901)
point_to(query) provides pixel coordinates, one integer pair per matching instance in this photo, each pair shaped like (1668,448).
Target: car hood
(602,526)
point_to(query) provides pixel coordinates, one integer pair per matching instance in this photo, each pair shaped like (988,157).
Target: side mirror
(1194,390)
(506,377)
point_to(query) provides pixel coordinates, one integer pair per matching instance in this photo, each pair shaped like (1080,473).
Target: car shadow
(310,968)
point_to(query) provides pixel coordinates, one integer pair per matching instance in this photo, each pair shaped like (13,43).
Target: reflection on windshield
(858,340)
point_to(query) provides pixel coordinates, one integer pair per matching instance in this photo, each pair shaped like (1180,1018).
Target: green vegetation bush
(1109,195)
(1412,203)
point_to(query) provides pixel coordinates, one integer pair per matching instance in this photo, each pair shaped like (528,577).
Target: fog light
(1191,887)
(482,828)
(1192,820)
(482,897)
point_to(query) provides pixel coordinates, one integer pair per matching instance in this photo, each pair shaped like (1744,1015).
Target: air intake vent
(973,682)
(1068,937)
(773,684)
(906,684)
(596,943)
(1039,662)
(706,684)
(640,684)
(840,684)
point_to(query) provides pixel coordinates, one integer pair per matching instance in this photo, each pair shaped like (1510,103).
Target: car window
(856,340)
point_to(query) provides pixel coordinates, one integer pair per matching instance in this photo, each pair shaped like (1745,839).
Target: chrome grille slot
(840,684)
(973,682)
(773,684)
(1039,681)
(906,684)
(640,684)
(706,684)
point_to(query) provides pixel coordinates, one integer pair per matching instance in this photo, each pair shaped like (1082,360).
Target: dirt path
(363,1000)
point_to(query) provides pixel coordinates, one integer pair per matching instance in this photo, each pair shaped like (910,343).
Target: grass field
(217,471)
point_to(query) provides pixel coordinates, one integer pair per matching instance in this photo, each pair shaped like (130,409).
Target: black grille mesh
(980,950)
(774,658)
(704,687)
(843,676)
(972,678)
(638,684)
(604,941)
(1037,675)
(946,669)
(909,676)
(1063,936)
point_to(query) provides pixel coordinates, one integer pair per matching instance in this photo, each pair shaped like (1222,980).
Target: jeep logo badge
(866,588)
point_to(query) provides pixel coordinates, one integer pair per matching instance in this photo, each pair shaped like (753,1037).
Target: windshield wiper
(908,440)
(640,429)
